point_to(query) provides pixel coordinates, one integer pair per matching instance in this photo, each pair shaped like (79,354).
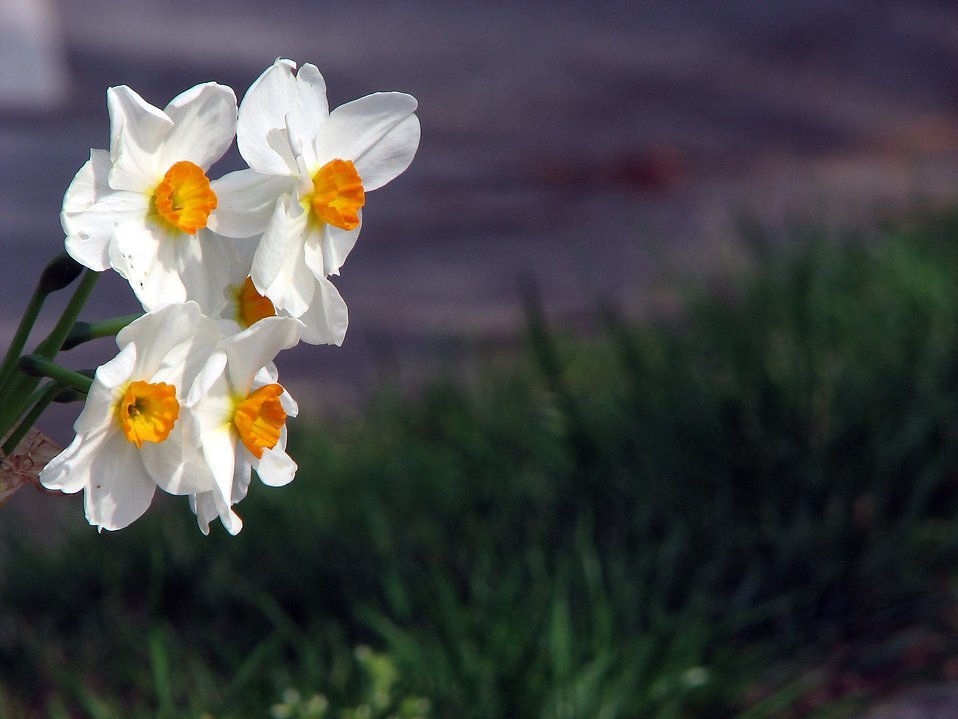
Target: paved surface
(600,146)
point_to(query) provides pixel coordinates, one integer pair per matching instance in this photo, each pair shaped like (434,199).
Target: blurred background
(614,155)
(587,144)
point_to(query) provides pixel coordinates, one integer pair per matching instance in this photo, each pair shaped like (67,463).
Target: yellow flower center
(259,419)
(147,412)
(338,194)
(252,306)
(184,198)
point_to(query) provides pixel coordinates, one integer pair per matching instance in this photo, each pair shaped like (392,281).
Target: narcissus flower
(131,437)
(241,413)
(143,207)
(323,323)
(322,163)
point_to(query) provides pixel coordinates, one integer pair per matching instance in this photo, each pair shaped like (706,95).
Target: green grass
(665,520)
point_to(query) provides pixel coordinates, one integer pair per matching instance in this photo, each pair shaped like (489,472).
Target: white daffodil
(241,413)
(141,207)
(322,164)
(323,323)
(131,436)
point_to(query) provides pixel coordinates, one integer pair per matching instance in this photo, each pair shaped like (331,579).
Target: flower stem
(20,338)
(16,391)
(54,341)
(86,331)
(40,399)
(59,273)
(39,366)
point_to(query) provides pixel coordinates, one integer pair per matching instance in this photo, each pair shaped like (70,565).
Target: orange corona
(259,419)
(338,194)
(184,198)
(147,412)
(252,306)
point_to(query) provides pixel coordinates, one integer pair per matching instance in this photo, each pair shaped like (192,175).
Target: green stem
(40,399)
(54,341)
(20,338)
(15,397)
(86,331)
(59,273)
(39,366)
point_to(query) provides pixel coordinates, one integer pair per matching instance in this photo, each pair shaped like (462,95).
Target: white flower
(130,436)
(310,172)
(142,207)
(323,323)
(241,413)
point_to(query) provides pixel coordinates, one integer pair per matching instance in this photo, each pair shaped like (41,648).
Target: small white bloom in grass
(131,436)
(241,413)
(142,207)
(323,163)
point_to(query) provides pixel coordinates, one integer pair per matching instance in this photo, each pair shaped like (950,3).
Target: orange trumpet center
(259,418)
(338,194)
(184,198)
(147,412)
(252,306)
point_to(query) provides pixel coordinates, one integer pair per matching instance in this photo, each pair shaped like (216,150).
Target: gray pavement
(601,147)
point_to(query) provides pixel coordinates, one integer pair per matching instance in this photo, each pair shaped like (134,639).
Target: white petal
(290,407)
(204,263)
(313,107)
(118,370)
(267,374)
(279,268)
(69,471)
(134,254)
(253,348)
(173,344)
(209,384)
(176,464)
(206,507)
(204,120)
(163,265)
(379,133)
(337,244)
(137,129)
(232,522)
(242,473)
(219,450)
(99,406)
(133,116)
(205,510)
(327,318)
(275,468)
(262,117)
(163,280)
(313,249)
(300,142)
(246,200)
(277,242)
(120,489)
(91,210)
(134,170)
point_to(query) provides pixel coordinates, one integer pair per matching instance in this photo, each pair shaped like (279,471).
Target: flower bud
(59,273)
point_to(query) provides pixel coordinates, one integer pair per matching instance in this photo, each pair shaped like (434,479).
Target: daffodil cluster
(229,271)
